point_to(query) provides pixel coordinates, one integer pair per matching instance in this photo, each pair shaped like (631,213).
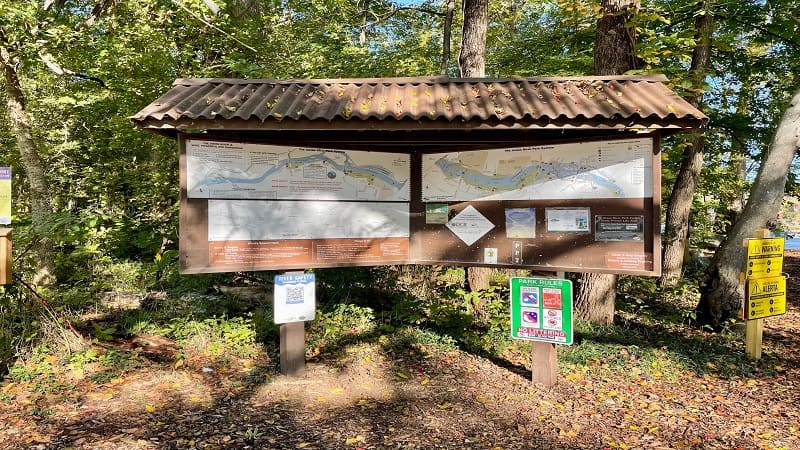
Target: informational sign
(618,228)
(568,220)
(764,257)
(521,223)
(541,310)
(295,298)
(5,195)
(765,297)
(470,225)
(584,206)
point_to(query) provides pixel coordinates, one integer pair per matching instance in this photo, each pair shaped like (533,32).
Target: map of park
(231,170)
(619,169)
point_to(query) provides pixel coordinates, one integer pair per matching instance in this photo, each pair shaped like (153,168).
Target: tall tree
(472,64)
(720,291)
(41,207)
(680,201)
(472,58)
(614,54)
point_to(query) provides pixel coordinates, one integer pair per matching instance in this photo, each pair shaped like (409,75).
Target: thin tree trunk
(676,227)
(720,292)
(40,195)
(472,58)
(447,34)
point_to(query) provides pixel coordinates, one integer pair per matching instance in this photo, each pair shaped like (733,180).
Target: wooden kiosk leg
(293,349)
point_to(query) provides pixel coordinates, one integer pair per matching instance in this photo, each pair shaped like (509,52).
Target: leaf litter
(382,398)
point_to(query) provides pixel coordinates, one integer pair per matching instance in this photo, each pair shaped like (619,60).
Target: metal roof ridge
(418,80)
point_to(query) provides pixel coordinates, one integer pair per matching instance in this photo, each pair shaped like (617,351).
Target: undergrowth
(391,307)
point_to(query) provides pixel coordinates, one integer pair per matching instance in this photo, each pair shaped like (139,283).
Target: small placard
(619,228)
(436,213)
(295,297)
(567,220)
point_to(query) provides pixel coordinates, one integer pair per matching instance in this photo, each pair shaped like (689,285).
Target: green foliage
(215,336)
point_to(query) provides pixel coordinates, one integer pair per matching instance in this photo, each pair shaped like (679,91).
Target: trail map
(607,169)
(233,170)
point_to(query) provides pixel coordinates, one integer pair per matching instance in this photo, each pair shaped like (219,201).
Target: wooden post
(6,276)
(544,359)
(293,345)
(293,349)
(753,334)
(545,363)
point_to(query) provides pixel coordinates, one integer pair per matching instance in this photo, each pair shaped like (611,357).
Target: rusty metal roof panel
(624,101)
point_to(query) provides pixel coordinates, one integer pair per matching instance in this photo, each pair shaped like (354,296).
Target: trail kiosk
(555,174)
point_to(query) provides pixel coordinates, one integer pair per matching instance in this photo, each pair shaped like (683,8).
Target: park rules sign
(541,310)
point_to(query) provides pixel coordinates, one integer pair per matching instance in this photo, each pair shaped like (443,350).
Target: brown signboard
(574,206)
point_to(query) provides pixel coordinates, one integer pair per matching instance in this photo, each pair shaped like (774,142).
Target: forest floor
(668,386)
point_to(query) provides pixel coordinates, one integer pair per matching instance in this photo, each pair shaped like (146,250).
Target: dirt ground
(368,398)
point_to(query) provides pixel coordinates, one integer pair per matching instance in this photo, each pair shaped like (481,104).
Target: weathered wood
(544,367)
(293,349)
(6,275)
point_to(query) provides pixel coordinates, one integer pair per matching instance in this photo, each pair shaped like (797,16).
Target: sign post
(294,303)
(541,311)
(765,287)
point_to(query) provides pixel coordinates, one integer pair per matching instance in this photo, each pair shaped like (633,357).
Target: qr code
(295,294)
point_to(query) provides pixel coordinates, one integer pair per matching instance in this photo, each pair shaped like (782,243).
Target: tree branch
(209,24)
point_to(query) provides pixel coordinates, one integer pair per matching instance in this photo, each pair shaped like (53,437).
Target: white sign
(470,225)
(262,220)
(295,298)
(567,220)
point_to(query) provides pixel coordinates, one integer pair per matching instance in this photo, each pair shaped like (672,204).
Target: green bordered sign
(541,310)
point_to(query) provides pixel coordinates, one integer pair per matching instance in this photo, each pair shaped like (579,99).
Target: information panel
(575,206)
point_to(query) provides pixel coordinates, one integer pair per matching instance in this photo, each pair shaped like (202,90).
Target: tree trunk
(472,59)
(447,36)
(614,54)
(472,64)
(676,228)
(615,39)
(40,195)
(720,292)
(595,294)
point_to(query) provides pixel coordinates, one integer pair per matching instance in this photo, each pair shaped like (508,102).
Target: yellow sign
(765,297)
(764,257)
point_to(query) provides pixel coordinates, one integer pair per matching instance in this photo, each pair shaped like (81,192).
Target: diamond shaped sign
(470,225)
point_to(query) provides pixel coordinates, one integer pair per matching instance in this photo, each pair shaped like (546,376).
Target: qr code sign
(295,294)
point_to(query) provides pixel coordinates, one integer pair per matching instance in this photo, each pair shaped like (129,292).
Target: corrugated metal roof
(411,103)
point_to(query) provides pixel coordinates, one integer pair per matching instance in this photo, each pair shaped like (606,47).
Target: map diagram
(264,220)
(602,169)
(232,170)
